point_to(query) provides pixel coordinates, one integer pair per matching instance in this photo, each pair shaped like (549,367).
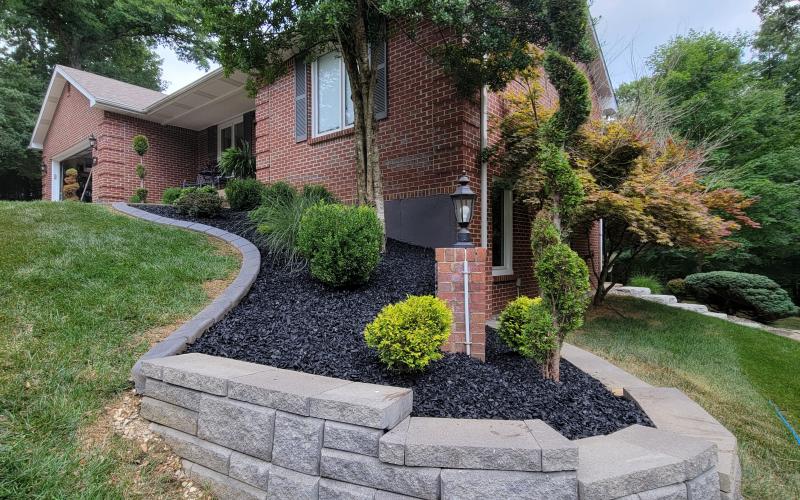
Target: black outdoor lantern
(92,141)
(463,202)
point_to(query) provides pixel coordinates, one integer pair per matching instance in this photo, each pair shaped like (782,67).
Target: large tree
(481,42)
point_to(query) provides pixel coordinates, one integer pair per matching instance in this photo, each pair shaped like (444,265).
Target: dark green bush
(341,242)
(140,144)
(677,287)
(139,196)
(170,195)
(408,335)
(647,281)
(198,203)
(319,192)
(278,218)
(243,194)
(526,326)
(753,294)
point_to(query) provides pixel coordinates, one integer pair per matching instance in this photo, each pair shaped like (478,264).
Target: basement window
(502,231)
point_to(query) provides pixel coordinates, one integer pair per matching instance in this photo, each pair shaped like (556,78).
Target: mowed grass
(79,287)
(731,370)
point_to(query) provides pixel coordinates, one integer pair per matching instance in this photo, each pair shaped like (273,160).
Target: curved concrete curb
(187,333)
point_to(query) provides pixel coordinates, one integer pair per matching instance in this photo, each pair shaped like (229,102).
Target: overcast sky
(629,30)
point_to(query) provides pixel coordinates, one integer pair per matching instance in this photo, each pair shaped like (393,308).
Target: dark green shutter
(300,101)
(381,96)
(211,144)
(248,126)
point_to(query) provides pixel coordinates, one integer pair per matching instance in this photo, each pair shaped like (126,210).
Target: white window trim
(508,236)
(223,125)
(315,101)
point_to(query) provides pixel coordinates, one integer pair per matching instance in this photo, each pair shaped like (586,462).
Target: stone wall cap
(369,405)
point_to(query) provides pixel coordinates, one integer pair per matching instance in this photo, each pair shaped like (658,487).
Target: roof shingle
(108,90)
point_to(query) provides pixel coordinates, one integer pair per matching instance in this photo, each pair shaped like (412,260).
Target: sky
(629,31)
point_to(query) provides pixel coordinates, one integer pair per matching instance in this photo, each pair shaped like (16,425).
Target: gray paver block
(422,482)
(558,452)
(472,444)
(170,415)
(223,486)
(698,455)
(392,445)
(298,442)
(282,389)
(194,449)
(330,489)
(240,426)
(289,484)
(201,372)
(369,405)
(353,438)
(174,394)
(611,468)
(671,492)
(482,484)
(388,495)
(634,291)
(249,470)
(704,487)
(698,308)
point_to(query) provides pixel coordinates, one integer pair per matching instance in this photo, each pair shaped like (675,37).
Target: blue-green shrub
(733,292)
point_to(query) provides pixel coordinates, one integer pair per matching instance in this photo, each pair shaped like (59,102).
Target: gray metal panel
(428,221)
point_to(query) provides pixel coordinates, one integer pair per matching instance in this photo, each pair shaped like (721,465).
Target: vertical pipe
(468,336)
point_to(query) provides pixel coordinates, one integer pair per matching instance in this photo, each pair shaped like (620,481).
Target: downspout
(484,132)
(468,333)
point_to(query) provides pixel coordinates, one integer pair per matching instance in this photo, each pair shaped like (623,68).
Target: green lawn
(791,323)
(79,287)
(731,370)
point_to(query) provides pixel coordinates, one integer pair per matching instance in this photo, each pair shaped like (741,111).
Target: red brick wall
(450,288)
(171,159)
(72,123)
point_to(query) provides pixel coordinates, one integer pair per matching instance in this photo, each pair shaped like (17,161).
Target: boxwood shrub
(171,195)
(199,203)
(677,287)
(753,294)
(341,242)
(243,194)
(408,334)
(526,326)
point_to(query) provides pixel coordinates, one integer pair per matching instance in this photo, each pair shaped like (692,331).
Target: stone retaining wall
(254,431)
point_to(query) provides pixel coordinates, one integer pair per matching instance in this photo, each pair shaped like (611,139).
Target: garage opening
(74,187)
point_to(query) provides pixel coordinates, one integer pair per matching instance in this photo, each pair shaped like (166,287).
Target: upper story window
(332,99)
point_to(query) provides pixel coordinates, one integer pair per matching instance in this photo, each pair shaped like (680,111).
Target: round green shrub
(526,326)
(199,204)
(733,292)
(647,281)
(243,194)
(170,195)
(677,287)
(341,242)
(408,335)
(140,144)
(278,192)
(140,171)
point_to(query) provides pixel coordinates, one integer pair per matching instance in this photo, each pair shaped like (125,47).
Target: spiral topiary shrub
(526,326)
(243,194)
(199,203)
(341,242)
(753,294)
(408,335)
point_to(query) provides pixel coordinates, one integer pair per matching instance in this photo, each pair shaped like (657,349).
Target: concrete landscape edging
(176,342)
(255,431)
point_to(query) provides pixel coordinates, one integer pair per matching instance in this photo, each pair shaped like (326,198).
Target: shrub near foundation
(526,326)
(408,334)
(243,194)
(170,195)
(341,242)
(199,204)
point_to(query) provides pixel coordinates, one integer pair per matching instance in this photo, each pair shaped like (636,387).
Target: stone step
(715,315)
(667,300)
(633,291)
(698,308)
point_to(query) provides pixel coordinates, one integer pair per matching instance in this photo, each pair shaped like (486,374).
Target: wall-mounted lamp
(92,141)
(463,203)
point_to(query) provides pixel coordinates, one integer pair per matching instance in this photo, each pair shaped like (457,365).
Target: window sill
(329,136)
(503,276)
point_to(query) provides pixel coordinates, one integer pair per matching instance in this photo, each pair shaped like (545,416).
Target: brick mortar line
(176,342)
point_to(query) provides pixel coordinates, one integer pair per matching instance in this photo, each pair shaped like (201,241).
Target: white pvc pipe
(467,337)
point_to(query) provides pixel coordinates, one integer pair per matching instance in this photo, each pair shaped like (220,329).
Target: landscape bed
(288,320)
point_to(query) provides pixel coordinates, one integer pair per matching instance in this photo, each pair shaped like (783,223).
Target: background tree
(482,42)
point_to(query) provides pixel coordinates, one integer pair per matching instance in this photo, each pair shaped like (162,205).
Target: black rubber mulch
(288,320)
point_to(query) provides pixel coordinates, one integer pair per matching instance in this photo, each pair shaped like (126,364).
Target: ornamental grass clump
(646,281)
(753,294)
(408,335)
(341,242)
(526,326)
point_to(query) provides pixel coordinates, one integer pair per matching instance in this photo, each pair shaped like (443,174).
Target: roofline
(183,90)
(57,71)
(603,62)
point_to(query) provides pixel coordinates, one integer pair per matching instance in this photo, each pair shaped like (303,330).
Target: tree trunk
(551,368)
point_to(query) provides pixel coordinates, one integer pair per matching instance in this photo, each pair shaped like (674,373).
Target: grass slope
(79,287)
(731,370)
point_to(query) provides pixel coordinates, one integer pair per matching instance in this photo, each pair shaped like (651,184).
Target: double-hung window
(230,134)
(502,231)
(331,99)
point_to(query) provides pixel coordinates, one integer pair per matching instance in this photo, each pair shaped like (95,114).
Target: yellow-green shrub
(408,334)
(526,326)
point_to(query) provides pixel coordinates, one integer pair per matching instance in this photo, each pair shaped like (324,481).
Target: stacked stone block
(253,431)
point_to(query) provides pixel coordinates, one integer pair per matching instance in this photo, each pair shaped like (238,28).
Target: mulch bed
(288,320)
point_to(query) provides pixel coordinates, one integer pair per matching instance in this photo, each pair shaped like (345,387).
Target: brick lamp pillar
(450,288)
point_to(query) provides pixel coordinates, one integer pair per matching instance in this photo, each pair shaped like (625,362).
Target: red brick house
(301,128)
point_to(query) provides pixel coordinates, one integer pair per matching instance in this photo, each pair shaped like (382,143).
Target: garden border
(176,342)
